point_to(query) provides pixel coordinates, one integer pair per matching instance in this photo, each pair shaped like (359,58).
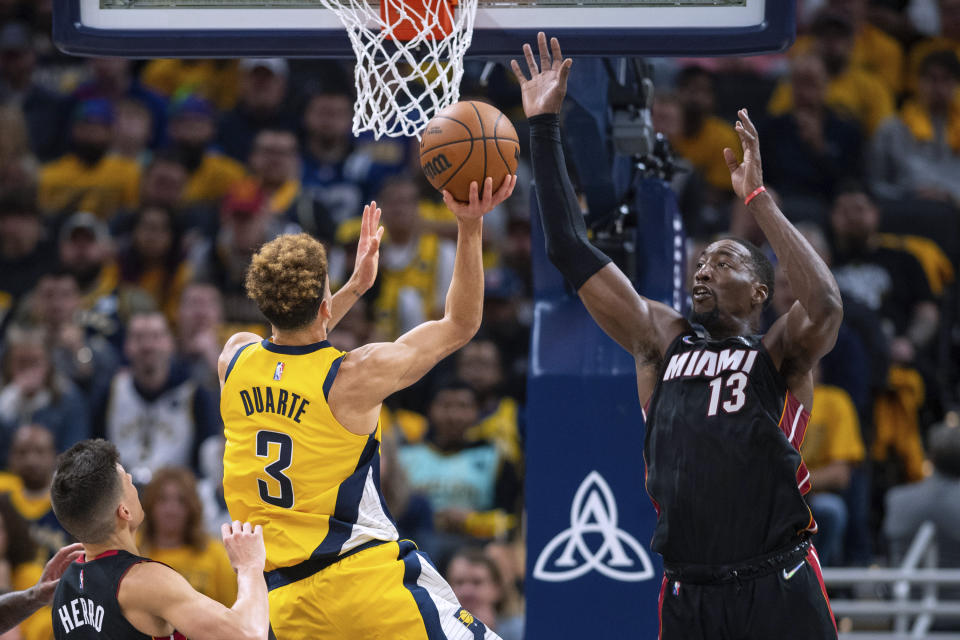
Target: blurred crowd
(133,193)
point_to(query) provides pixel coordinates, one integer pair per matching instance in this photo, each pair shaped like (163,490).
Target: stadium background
(132,194)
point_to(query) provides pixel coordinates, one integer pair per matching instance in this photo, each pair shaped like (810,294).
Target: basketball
(466,142)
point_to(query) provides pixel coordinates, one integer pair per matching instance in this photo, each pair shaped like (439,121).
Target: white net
(409,60)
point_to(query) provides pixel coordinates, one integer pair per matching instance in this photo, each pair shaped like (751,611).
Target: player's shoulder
(232,348)
(146,580)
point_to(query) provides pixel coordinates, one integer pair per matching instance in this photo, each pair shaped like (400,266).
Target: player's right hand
(544,91)
(478,207)
(244,544)
(54,569)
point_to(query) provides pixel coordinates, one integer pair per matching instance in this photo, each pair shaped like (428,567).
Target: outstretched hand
(746,176)
(368,248)
(244,543)
(543,92)
(54,569)
(478,207)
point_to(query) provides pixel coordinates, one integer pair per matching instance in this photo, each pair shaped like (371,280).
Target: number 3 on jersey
(737,384)
(275,469)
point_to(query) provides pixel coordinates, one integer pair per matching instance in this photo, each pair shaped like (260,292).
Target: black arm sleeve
(563,226)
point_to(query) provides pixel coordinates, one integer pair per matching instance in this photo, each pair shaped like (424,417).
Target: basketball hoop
(409,60)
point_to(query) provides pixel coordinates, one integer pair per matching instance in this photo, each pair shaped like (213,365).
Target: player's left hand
(50,577)
(478,207)
(746,176)
(368,249)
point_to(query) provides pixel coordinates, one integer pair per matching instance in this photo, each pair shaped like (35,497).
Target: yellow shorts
(390,591)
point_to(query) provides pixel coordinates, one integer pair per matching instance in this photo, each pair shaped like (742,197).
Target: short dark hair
(19,201)
(945,450)
(450,383)
(690,73)
(21,547)
(761,264)
(946,60)
(86,489)
(829,22)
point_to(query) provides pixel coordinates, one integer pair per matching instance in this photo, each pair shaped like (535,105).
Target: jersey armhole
(233,360)
(331,376)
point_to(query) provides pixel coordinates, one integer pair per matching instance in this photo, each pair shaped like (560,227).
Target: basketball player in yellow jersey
(303,441)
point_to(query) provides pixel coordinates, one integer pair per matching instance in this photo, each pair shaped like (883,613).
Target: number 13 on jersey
(736,385)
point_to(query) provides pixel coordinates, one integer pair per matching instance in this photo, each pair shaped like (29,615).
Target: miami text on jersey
(707,364)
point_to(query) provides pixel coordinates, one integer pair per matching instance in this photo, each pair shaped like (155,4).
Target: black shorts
(782,598)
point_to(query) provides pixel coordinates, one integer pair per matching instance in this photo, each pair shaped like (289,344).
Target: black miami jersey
(724,470)
(85,604)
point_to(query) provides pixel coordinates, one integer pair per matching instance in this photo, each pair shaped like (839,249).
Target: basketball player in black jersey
(725,407)
(112,592)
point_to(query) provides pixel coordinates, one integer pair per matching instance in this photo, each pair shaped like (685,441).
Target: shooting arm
(373,372)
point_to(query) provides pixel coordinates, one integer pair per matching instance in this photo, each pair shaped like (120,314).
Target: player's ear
(326,309)
(760,294)
(123,512)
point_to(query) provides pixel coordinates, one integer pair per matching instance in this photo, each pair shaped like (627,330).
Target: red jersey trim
(106,554)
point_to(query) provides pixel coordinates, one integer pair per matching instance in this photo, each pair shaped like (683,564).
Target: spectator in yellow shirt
(174,533)
(831,448)
(851,91)
(19,570)
(33,458)
(213,80)
(415,265)
(874,50)
(88,178)
(703,135)
(153,258)
(948,40)
(192,130)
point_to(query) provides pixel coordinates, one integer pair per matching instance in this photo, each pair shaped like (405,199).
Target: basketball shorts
(390,591)
(784,599)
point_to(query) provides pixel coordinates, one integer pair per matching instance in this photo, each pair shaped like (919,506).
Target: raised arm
(157,600)
(641,326)
(373,372)
(365,268)
(809,329)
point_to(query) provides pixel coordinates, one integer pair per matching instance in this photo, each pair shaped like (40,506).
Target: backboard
(303,28)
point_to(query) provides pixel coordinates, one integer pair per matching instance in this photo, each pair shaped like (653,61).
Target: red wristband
(753,195)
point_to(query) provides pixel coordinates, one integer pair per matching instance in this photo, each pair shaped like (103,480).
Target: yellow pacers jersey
(289,465)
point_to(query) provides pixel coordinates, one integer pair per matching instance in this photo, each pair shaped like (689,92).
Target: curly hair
(194,534)
(287,279)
